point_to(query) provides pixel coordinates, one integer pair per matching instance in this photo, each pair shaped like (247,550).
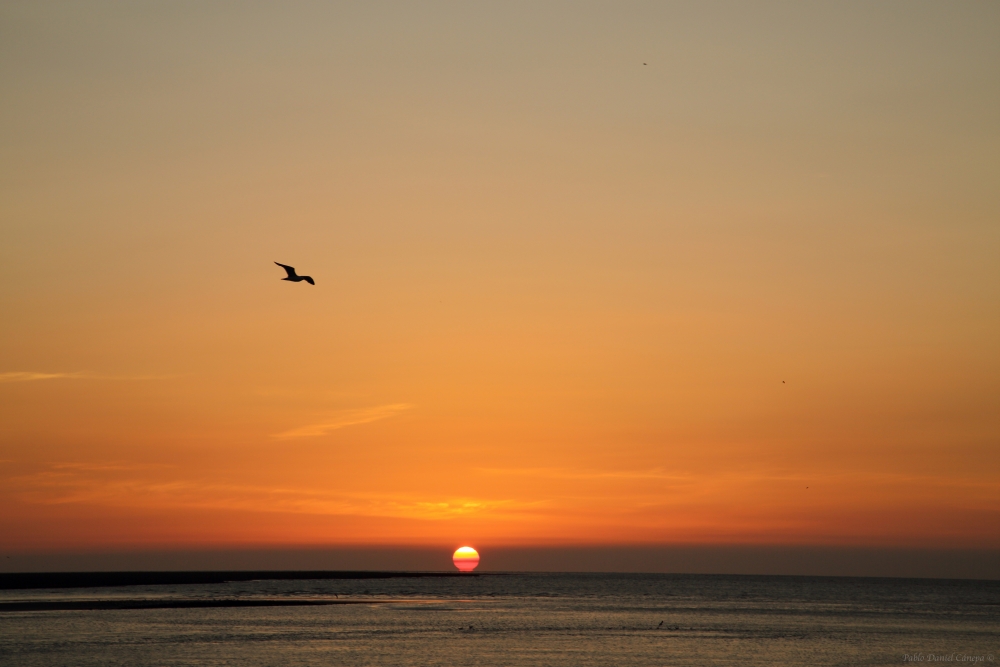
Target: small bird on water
(294,277)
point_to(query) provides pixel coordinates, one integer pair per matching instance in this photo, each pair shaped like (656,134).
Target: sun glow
(465,559)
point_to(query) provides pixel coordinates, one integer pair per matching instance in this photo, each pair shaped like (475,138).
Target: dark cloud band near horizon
(829,561)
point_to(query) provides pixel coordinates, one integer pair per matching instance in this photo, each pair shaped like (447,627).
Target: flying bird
(294,277)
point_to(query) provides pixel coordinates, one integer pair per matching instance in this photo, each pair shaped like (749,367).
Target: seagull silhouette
(294,277)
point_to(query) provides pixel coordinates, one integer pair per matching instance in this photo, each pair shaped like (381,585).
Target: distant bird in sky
(294,277)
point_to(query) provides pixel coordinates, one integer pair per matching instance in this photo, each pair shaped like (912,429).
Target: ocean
(507,619)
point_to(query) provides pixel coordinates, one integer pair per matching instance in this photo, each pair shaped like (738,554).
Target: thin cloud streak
(346,418)
(103,484)
(25,376)
(565,473)
(31,377)
(109,467)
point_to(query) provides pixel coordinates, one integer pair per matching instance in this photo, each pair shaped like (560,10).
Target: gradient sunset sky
(587,273)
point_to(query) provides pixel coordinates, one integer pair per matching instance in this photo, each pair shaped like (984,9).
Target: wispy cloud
(25,376)
(566,473)
(112,466)
(345,418)
(155,486)
(29,377)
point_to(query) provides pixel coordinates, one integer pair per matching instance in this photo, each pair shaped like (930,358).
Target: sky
(593,274)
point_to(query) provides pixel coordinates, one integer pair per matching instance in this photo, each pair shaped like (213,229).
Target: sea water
(522,619)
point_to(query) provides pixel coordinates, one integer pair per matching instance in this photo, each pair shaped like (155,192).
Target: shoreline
(101,605)
(27,580)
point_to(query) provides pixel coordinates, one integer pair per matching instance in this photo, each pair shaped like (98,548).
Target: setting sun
(466,559)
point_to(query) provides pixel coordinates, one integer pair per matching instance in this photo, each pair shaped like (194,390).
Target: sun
(465,559)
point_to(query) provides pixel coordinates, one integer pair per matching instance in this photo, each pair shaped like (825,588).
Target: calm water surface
(532,619)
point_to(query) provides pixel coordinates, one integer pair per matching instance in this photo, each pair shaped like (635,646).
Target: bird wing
(290,270)
(308,279)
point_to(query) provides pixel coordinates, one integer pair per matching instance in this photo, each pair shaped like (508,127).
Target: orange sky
(748,292)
